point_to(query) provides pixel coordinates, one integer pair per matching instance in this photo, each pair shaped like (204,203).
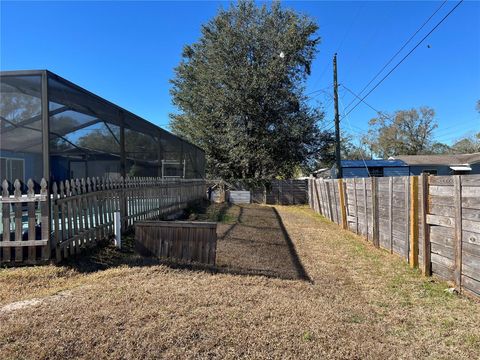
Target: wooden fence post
(356,204)
(390,212)
(329,200)
(31,220)
(6,221)
(375,218)
(365,206)
(457,194)
(414,222)
(18,220)
(45,219)
(316,185)
(407,216)
(310,192)
(427,268)
(343,209)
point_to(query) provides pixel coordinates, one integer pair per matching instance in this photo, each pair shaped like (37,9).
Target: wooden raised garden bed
(180,240)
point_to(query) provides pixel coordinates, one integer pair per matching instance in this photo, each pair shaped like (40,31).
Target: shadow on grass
(252,241)
(302,273)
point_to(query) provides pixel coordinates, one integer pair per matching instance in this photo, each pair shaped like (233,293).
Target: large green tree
(407,132)
(467,145)
(240,92)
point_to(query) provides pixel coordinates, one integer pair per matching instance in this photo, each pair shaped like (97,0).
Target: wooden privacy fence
(287,192)
(281,192)
(77,213)
(431,221)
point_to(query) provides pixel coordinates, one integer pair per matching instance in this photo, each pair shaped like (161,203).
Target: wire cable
(350,125)
(358,97)
(406,56)
(400,50)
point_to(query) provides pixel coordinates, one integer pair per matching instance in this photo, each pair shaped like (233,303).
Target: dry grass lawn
(289,284)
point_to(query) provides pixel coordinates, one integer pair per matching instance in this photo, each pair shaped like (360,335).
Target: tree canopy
(407,132)
(240,93)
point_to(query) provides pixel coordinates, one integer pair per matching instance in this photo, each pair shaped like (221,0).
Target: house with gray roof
(451,164)
(405,165)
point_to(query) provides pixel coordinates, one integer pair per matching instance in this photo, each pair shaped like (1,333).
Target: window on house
(430,172)
(376,171)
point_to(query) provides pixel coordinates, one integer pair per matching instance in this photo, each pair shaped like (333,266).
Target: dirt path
(325,294)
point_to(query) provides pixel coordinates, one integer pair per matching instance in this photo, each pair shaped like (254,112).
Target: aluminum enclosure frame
(119,116)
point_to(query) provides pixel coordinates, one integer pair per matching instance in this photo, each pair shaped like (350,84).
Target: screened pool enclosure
(52,128)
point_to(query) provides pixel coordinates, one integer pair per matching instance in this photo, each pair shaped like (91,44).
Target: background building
(460,164)
(405,165)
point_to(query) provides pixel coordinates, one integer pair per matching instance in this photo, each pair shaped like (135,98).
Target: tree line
(406,132)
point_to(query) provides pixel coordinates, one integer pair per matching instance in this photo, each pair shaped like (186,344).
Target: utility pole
(337,119)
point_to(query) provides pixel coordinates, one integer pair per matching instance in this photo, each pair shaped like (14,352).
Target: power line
(319,90)
(399,51)
(406,56)
(350,125)
(358,97)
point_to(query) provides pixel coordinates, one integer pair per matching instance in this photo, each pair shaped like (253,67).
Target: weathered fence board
(239,197)
(431,221)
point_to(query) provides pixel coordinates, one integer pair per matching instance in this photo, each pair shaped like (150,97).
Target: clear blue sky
(126,52)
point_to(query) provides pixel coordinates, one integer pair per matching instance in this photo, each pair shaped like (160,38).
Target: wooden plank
(471,191)
(375,219)
(471,214)
(413,222)
(471,180)
(356,204)
(440,220)
(6,256)
(364,181)
(444,210)
(470,225)
(457,184)
(442,271)
(317,197)
(329,201)
(471,202)
(471,238)
(18,222)
(45,220)
(23,243)
(441,181)
(427,266)
(444,261)
(442,235)
(341,191)
(407,217)
(439,200)
(441,190)
(472,262)
(21,199)
(32,251)
(390,212)
(445,251)
(470,284)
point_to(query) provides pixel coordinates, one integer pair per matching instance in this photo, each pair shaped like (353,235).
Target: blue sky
(126,52)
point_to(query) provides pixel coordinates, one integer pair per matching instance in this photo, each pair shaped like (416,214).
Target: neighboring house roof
(440,159)
(372,163)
